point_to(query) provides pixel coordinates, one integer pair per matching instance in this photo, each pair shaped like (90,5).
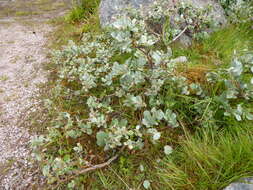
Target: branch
(92,168)
(95,167)
(180,34)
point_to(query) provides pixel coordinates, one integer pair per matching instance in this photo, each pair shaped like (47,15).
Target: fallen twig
(95,167)
(92,168)
(180,34)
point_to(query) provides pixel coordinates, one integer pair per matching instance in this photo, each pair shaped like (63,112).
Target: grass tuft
(82,10)
(210,160)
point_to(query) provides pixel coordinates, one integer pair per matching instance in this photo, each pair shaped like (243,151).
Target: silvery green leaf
(237,68)
(122,23)
(156,85)
(107,80)
(251,81)
(88,81)
(238,112)
(46,170)
(101,138)
(196,88)
(248,58)
(167,149)
(37,156)
(251,68)
(92,102)
(78,148)
(86,128)
(185,90)
(97,118)
(211,76)
(227,114)
(141,168)
(138,127)
(169,52)
(249,116)
(156,136)
(138,77)
(134,101)
(231,94)
(119,69)
(148,119)
(147,40)
(155,133)
(129,144)
(146,184)
(238,117)
(158,114)
(122,37)
(171,118)
(126,81)
(37,141)
(73,133)
(157,57)
(239,109)
(119,92)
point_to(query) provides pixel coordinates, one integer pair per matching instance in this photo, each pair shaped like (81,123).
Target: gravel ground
(22,53)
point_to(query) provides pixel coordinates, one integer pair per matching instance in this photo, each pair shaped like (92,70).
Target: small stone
(243,184)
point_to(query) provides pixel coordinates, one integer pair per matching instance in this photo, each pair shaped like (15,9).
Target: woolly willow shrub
(238,11)
(128,88)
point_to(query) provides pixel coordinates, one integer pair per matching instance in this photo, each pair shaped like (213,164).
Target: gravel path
(22,53)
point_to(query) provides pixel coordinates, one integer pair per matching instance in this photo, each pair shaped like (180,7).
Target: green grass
(63,33)
(210,160)
(72,28)
(218,49)
(83,10)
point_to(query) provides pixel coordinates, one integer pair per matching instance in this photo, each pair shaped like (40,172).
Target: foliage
(182,18)
(238,10)
(123,89)
(188,19)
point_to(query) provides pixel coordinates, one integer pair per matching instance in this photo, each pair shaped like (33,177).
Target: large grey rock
(244,184)
(110,8)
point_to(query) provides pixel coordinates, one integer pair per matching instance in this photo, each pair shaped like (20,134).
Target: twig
(180,34)
(92,168)
(95,167)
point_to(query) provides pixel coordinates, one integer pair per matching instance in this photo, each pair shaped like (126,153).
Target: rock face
(245,184)
(110,8)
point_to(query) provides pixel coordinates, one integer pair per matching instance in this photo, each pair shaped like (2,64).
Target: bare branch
(95,167)
(83,171)
(180,34)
